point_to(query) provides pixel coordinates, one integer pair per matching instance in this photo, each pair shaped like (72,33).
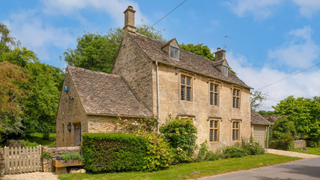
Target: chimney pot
(218,49)
(130,7)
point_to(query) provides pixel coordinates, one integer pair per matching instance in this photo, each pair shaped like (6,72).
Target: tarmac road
(301,169)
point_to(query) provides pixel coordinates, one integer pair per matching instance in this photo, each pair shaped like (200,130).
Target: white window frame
(177,50)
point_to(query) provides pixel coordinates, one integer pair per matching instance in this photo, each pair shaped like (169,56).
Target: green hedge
(113,152)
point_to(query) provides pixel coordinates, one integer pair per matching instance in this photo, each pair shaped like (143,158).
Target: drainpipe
(158,96)
(268,137)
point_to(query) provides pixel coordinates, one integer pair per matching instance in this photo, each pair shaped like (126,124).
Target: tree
(199,49)
(12,77)
(97,52)
(263,112)
(256,99)
(304,112)
(283,134)
(5,37)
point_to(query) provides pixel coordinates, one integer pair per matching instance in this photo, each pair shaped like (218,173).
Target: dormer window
(225,70)
(174,52)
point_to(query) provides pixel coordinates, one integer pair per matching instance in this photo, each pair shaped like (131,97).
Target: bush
(113,152)
(233,152)
(283,134)
(158,152)
(205,153)
(252,148)
(69,156)
(181,134)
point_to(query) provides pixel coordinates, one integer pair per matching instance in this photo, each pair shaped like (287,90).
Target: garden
(140,151)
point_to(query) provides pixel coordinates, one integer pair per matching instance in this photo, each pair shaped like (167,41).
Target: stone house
(151,77)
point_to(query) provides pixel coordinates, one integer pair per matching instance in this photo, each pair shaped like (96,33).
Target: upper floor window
(225,70)
(186,88)
(214,131)
(174,52)
(214,94)
(236,98)
(235,130)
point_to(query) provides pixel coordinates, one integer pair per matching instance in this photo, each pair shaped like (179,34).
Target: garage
(259,127)
(259,134)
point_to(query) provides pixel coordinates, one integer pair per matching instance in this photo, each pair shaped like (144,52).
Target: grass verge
(310,150)
(192,170)
(37,137)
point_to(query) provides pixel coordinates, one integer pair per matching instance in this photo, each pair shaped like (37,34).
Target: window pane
(188,81)
(211,87)
(215,124)
(237,134)
(188,93)
(182,80)
(237,125)
(211,98)
(171,52)
(182,92)
(176,53)
(216,88)
(234,92)
(234,102)
(233,125)
(237,104)
(233,134)
(216,99)
(237,93)
(215,135)
(211,135)
(211,124)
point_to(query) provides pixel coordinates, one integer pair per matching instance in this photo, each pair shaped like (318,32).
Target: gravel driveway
(32,176)
(292,154)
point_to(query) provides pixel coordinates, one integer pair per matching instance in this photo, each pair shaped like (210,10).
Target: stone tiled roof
(271,118)
(102,93)
(256,118)
(187,60)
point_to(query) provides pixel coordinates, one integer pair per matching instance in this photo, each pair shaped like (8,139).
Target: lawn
(192,170)
(37,137)
(310,150)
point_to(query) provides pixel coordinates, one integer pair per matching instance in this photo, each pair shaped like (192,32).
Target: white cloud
(308,7)
(302,85)
(114,8)
(260,9)
(299,52)
(36,35)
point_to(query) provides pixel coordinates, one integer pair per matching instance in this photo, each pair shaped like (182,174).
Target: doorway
(77,134)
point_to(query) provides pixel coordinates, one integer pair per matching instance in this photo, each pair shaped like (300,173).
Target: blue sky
(272,39)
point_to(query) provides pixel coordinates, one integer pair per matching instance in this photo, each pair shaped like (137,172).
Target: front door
(77,134)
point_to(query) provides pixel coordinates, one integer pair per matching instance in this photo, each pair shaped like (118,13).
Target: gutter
(115,115)
(158,96)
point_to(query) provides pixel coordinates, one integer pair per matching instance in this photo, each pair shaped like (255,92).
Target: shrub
(283,134)
(181,133)
(158,152)
(147,124)
(69,156)
(233,152)
(46,155)
(204,152)
(30,144)
(252,148)
(113,152)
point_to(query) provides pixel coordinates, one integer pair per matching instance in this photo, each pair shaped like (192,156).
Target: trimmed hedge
(113,152)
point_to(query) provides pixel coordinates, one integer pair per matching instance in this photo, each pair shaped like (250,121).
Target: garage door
(259,134)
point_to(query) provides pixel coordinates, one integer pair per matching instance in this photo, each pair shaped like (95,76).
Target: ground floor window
(214,131)
(235,130)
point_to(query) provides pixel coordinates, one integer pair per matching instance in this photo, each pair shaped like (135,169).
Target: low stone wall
(56,151)
(299,144)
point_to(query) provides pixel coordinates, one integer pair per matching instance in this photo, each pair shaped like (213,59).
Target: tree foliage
(283,134)
(199,49)
(305,113)
(256,99)
(97,52)
(30,90)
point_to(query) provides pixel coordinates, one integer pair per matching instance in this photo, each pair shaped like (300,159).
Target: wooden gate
(22,160)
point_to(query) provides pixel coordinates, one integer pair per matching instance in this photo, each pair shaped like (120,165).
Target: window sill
(214,142)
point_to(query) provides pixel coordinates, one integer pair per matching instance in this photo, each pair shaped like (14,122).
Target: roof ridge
(96,72)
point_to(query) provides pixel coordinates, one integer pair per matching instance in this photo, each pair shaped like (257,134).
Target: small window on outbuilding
(225,70)
(174,52)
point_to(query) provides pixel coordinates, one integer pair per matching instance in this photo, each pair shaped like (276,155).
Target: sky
(268,40)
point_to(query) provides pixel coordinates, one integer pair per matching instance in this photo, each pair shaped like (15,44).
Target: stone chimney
(129,20)
(220,54)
